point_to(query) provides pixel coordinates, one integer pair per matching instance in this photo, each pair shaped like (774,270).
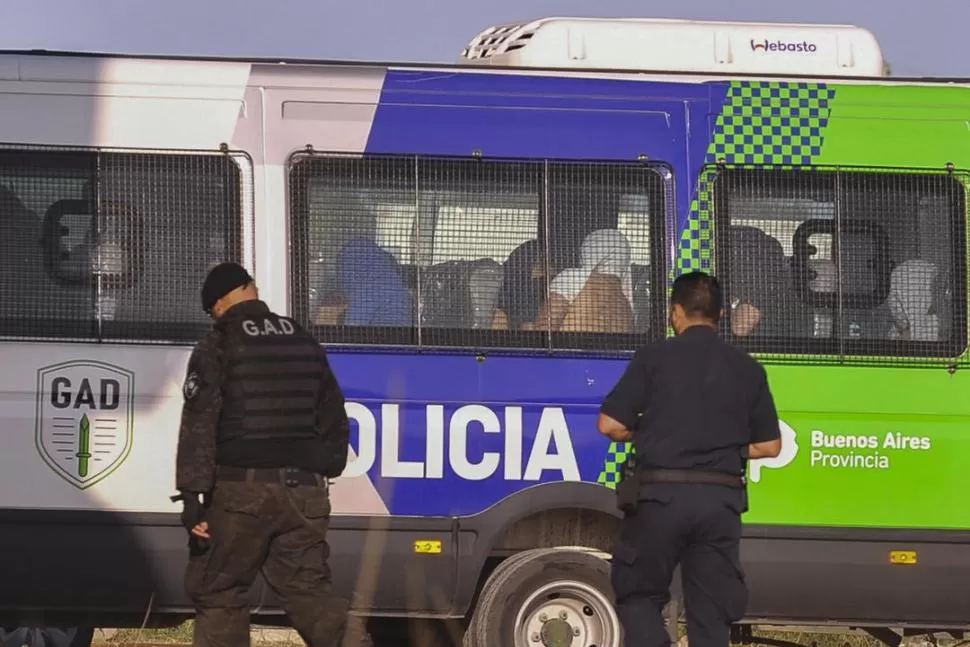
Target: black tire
(487,594)
(547,581)
(47,637)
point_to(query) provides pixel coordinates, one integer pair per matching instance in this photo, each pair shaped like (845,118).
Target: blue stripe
(505,115)
(527,116)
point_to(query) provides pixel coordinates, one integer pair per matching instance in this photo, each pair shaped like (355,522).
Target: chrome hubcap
(567,613)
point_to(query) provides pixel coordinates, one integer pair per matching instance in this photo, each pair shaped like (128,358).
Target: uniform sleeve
(202,403)
(628,398)
(764,416)
(332,423)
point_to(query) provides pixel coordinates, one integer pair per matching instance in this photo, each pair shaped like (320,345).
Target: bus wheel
(547,598)
(47,637)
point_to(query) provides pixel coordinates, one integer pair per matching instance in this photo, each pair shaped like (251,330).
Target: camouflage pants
(280,531)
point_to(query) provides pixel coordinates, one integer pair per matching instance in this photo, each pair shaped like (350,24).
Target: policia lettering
(263,428)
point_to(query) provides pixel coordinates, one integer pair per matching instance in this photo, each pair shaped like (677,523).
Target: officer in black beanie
(263,427)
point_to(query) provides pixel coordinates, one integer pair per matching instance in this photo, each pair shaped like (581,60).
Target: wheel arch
(542,516)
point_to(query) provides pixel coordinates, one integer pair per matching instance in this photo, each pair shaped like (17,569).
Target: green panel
(898,126)
(874,446)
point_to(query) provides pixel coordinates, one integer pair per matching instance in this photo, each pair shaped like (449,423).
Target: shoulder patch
(191,387)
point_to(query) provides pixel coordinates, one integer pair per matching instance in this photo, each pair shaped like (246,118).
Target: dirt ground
(277,637)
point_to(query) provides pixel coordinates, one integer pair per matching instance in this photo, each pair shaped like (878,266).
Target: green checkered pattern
(615,455)
(763,124)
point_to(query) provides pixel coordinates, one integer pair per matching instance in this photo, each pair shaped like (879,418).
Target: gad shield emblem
(85,415)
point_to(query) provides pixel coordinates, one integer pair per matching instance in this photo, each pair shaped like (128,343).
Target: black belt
(289,476)
(656,475)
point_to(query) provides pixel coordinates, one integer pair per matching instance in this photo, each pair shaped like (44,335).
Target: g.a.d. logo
(85,412)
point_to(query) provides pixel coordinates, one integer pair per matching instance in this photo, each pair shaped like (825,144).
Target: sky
(918,38)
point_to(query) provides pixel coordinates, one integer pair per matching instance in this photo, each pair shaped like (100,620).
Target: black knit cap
(221,280)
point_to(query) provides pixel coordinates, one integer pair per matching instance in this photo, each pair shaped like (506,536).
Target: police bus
(480,247)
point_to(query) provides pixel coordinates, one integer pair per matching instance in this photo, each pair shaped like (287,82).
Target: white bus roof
(657,44)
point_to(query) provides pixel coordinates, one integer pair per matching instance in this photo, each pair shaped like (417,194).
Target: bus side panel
(847,576)
(90,429)
(872,455)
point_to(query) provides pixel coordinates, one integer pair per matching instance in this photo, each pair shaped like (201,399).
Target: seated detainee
(332,308)
(763,302)
(596,296)
(600,307)
(523,288)
(372,290)
(744,318)
(911,301)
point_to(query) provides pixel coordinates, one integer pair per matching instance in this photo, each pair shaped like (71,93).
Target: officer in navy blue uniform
(263,428)
(696,409)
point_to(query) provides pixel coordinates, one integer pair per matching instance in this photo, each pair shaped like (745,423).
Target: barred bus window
(390,246)
(863,263)
(356,248)
(101,246)
(480,213)
(461,252)
(606,224)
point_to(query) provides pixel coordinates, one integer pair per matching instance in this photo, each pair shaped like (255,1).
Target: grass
(821,639)
(845,638)
(182,635)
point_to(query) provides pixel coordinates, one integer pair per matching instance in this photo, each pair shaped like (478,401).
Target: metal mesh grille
(861,263)
(113,245)
(476,253)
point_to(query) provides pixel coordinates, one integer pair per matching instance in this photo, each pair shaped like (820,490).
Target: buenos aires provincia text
(865,452)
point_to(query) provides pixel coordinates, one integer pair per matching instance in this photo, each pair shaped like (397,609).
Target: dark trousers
(698,527)
(280,531)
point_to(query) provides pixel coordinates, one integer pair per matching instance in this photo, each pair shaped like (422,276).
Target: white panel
(330,77)
(169,123)
(134,71)
(335,117)
(130,103)
(9,69)
(127,462)
(117,121)
(143,480)
(331,109)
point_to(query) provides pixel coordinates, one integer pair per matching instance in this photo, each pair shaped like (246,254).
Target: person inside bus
(761,286)
(523,288)
(374,292)
(597,296)
(753,255)
(911,301)
(330,308)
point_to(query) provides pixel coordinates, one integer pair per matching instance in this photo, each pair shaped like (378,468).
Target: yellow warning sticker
(427,546)
(902,557)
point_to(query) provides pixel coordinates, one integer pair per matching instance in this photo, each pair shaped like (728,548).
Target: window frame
(728,179)
(531,172)
(238,236)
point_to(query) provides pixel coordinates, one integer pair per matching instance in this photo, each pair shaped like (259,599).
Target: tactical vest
(272,376)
